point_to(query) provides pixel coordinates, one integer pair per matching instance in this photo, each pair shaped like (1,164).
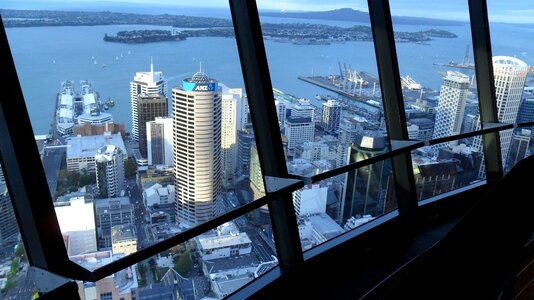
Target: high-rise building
(519,146)
(525,114)
(510,75)
(280,111)
(9,230)
(245,139)
(364,192)
(159,141)
(197,153)
(232,121)
(451,106)
(145,83)
(526,110)
(149,107)
(298,130)
(261,215)
(2,179)
(331,115)
(109,162)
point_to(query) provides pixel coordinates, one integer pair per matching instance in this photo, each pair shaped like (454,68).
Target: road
(23,289)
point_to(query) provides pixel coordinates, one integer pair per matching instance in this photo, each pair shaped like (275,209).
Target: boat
(116,58)
(95,62)
(129,52)
(104,65)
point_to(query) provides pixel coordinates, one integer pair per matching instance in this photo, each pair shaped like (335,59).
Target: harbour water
(46,56)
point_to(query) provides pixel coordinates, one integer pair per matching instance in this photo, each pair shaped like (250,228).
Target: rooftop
(87,146)
(224,241)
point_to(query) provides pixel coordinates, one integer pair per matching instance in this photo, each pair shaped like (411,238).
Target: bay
(46,56)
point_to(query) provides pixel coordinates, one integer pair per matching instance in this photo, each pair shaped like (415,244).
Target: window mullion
(264,120)
(390,84)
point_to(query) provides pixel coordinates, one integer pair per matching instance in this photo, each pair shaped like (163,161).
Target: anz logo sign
(200,87)
(205,87)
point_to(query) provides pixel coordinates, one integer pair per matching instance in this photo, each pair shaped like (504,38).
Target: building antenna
(151,66)
(200,66)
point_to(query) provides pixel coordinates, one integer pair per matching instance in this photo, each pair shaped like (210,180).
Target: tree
(183,264)
(130,168)
(19,251)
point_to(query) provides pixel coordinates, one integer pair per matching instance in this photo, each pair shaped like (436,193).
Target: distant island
(296,33)
(351,15)
(300,34)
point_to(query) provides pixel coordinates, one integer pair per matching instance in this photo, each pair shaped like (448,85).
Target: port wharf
(368,88)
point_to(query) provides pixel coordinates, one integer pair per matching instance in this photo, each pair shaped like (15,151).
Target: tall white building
(159,141)
(109,162)
(331,116)
(510,75)
(451,105)
(280,110)
(196,107)
(145,83)
(76,219)
(232,120)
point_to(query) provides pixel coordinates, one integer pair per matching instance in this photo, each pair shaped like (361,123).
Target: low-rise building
(81,150)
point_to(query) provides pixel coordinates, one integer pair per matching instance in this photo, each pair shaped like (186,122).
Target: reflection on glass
(513,70)
(445,167)
(214,264)
(16,280)
(328,208)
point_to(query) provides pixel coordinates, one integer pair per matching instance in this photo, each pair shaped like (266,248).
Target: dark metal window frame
(26,179)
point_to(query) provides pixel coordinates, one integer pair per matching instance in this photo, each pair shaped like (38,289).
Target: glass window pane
(454,167)
(16,280)
(439,85)
(513,69)
(328,208)
(214,264)
(143,128)
(325,80)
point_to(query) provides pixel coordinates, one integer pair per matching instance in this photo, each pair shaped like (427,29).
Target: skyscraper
(364,192)
(9,229)
(232,121)
(159,141)
(245,139)
(197,153)
(147,83)
(109,162)
(149,107)
(510,75)
(451,106)
(331,115)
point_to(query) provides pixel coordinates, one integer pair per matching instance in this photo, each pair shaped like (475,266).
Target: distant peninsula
(40,18)
(351,15)
(296,33)
(300,34)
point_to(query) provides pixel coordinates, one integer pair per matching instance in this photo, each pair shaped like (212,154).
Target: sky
(511,11)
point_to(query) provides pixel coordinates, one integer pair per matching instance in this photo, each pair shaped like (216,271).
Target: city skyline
(203,161)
